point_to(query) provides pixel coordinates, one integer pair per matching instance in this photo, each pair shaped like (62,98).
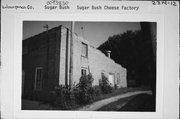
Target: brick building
(46,62)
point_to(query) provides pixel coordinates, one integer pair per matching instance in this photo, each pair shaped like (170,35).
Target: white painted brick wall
(96,61)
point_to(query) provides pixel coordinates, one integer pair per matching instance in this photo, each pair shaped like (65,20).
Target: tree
(133,52)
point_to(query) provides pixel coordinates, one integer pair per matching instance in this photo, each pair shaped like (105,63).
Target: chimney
(108,53)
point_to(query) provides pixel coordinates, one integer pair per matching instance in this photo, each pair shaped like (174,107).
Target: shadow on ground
(142,102)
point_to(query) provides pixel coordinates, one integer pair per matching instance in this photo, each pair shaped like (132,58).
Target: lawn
(115,106)
(120,91)
(140,102)
(102,96)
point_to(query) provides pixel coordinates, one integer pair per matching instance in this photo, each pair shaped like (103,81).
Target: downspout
(71,55)
(66,64)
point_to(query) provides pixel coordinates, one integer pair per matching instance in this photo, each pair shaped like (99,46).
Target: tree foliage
(84,91)
(105,85)
(133,52)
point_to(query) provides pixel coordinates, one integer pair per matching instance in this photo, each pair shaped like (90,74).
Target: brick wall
(96,63)
(41,50)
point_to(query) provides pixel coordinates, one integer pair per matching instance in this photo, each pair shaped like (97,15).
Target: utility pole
(71,55)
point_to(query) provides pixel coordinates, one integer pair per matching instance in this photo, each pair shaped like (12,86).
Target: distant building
(46,62)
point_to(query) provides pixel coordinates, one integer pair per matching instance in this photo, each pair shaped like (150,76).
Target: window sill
(84,56)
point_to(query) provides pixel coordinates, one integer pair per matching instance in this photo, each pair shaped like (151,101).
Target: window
(102,74)
(111,79)
(118,78)
(38,78)
(83,71)
(84,50)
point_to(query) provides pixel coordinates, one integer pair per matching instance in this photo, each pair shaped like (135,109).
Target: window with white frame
(118,78)
(111,78)
(38,78)
(83,72)
(84,50)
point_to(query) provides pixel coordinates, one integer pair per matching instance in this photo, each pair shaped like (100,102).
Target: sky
(95,32)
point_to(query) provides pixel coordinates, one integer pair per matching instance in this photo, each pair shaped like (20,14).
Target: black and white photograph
(89,66)
(65,59)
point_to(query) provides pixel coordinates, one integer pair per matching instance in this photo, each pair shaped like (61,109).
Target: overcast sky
(95,32)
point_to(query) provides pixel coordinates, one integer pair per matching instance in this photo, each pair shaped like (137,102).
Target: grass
(74,105)
(142,102)
(102,96)
(114,93)
(114,106)
(120,91)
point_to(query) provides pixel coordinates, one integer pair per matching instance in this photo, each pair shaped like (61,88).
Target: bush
(61,97)
(97,90)
(65,98)
(105,85)
(84,92)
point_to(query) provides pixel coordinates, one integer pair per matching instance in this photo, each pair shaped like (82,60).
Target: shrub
(105,85)
(97,90)
(65,98)
(83,91)
(62,97)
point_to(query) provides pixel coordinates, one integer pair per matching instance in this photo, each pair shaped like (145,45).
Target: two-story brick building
(46,62)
